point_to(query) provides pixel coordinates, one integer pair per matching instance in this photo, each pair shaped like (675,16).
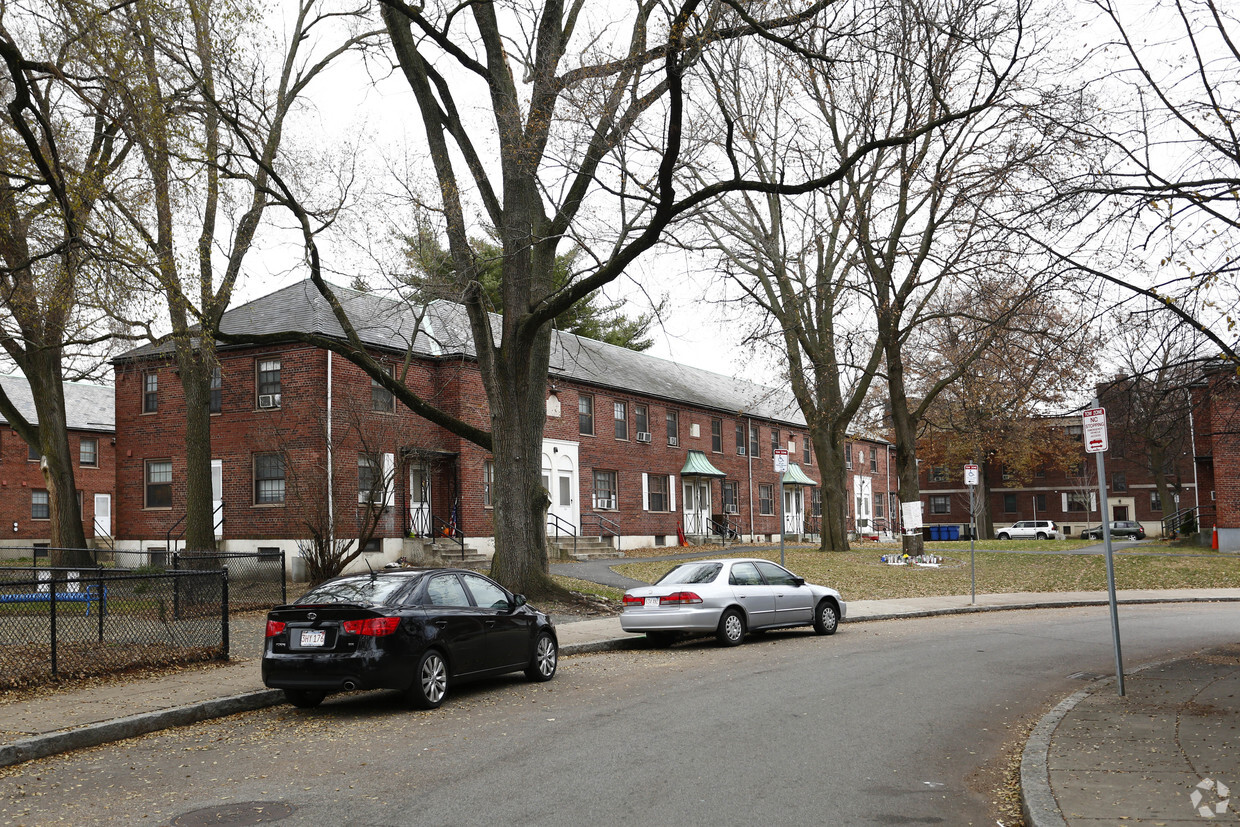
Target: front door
(217,496)
(1120,512)
(103,515)
(863,494)
(559,471)
(419,502)
(794,510)
(696,505)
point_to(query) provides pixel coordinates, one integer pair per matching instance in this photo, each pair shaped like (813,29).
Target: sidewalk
(1082,756)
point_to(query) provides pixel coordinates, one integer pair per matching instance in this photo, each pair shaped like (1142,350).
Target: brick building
(1216,435)
(25,510)
(636,448)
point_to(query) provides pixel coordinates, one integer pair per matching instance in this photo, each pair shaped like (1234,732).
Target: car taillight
(275,627)
(679,599)
(633,600)
(372,626)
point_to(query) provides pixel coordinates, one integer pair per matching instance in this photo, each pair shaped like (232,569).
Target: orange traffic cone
(1214,540)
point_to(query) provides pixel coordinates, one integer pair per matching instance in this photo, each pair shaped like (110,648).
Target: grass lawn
(860,575)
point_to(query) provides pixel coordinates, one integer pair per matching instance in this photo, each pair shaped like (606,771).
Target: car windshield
(691,573)
(360,590)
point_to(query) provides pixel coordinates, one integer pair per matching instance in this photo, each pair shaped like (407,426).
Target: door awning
(795,476)
(697,465)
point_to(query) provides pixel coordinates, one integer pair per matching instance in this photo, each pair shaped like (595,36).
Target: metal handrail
(451,531)
(168,535)
(724,529)
(605,525)
(560,523)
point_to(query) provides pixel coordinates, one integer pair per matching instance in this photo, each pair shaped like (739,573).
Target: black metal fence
(79,622)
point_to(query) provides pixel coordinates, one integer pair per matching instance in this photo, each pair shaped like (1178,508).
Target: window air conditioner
(740,450)
(269,400)
(673,441)
(729,509)
(643,436)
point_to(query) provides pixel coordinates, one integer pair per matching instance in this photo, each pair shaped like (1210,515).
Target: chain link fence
(60,623)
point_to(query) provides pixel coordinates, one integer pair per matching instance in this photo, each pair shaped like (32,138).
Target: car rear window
(692,573)
(362,590)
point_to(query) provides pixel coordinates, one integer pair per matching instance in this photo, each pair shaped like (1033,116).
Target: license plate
(313,637)
(652,603)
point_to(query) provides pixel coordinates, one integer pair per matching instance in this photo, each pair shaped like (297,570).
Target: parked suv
(1119,528)
(1029,530)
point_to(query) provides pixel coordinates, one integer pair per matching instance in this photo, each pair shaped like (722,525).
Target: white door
(863,496)
(696,506)
(217,496)
(103,515)
(794,510)
(559,471)
(419,502)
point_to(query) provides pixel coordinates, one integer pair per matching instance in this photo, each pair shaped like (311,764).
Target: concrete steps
(587,548)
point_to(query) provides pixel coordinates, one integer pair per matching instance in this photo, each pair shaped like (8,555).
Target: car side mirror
(518,600)
(798,581)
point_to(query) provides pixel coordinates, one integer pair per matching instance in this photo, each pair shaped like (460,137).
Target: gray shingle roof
(389,324)
(87,407)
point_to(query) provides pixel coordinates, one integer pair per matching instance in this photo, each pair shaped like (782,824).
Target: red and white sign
(781,460)
(970,475)
(1095,422)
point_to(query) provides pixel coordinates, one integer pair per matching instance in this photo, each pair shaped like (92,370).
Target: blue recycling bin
(936,532)
(953,532)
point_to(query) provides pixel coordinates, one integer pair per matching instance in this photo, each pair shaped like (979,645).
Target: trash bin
(953,532)
(936,532)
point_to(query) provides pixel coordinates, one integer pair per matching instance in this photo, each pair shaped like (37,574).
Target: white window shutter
(645,491)
(388,479)
(671,491)
(1064,507)
(1093,501)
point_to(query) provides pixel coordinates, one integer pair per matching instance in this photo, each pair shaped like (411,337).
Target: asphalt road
(894,722)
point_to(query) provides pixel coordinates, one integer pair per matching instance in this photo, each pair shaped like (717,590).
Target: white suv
(1029,530)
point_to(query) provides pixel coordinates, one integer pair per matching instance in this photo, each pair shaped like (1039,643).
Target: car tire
(731,631)
(546,658)
(304,698)
(660,640)
(1042,535)
(826,618)
(1004,536)
(430,681)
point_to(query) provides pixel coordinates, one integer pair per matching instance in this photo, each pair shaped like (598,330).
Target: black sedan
(415,630)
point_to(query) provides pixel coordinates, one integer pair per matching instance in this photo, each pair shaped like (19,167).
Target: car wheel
(826,618)
(731,629)
(1004,535)
(304,698)
(546,657)
(660,640)
(1042,535)
(430,682)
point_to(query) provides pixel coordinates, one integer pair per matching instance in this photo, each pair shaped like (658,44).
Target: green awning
(795,476)
(697,465)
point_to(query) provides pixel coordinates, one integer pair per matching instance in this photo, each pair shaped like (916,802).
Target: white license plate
(313,637)
(652,603)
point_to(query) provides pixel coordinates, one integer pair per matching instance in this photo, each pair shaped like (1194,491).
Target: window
(88,452)
(774,441)
(673,427)
(488,480)
(753,440)
(382,399)
(659,499)
(1040,501)
(873,460)
(1077,501)
(1040,472)
(641,421)
(369,479)
(585,415)
(34,453)
(40,505)
(621,412)
(1077,469)
(816,502)
(1007,473)
(848,456)
(446,590)
(215,403)
(1119,482)
(938,473)
(1076,432)
(766,499)
(878,507)
(1155,501)
(268,479)
(268,383)
(731,491)
(740,439)
(150,392)
(808,449)
(1009,503)
(159,483)
(486,594)
(940,504)
(716,435)
(605,490)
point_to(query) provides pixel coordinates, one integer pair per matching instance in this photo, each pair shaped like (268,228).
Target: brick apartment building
(24,506)
(1216,442)
(636,448)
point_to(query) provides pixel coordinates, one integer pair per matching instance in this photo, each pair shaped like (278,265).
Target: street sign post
(781,466)
(971,479)
(1094,430)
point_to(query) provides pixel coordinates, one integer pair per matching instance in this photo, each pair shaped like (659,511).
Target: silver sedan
(729,598)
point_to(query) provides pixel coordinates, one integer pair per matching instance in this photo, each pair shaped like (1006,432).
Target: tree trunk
(830,454)
(42,371)
(194,366)
(985,520)
(904,429)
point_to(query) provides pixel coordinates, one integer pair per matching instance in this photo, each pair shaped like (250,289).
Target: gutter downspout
(749,457)
(1192,437)
(331,508)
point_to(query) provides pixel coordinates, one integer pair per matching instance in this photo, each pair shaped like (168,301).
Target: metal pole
(51,584)
(1106,538)
(224,609)
(781,519)
(972,559)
